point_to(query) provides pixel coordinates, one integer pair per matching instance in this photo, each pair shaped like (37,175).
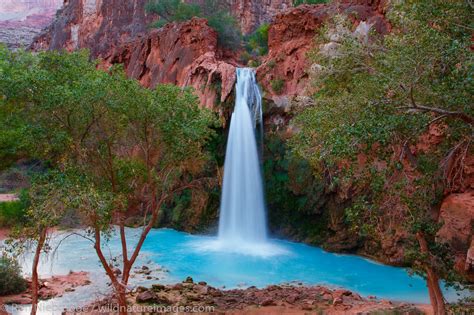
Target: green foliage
(106,136)
(172,10)
(293,195)
(11,281)
(367,108)
(300,2)
(216,12)
(257,42)
(277,85)
(13,212)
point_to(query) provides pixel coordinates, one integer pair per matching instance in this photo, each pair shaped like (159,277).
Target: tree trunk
(34,273)
(432,279)
(118,287)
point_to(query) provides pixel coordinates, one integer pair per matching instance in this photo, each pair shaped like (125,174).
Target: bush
(257,42)
(277,85)
(13,212)
(11,281)
(216,12)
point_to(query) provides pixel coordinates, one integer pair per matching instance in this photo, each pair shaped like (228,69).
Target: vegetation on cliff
(216,12)
(375,99)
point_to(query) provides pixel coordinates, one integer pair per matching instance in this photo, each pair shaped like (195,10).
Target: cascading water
(242,212)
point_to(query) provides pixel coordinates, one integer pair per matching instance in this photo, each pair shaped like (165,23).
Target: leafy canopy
(106,136)
(374,97)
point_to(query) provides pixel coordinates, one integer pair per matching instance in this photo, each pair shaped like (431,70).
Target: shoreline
(273,299)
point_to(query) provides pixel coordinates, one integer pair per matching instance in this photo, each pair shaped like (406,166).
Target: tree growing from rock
(216,12)
(374,98)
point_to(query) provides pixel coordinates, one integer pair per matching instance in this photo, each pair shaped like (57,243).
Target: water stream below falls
(173,255)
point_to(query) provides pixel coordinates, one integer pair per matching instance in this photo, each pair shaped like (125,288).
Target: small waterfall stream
(242,211)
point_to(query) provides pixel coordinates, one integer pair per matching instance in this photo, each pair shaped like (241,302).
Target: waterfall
(242,212)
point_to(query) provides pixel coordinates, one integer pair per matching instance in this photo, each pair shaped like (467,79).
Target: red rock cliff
(116,31)
(292,34)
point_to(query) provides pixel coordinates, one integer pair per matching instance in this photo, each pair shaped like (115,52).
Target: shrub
(11,281)
(277,85)
(257,42)
(216,12)
(13,212)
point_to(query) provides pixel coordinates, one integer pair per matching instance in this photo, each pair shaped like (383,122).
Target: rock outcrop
(274,299)
(252,13)
(457,217)
(185,54)
(22,20)
(292,34)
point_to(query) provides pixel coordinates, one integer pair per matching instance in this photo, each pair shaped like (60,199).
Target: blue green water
(228,265)
(200,257)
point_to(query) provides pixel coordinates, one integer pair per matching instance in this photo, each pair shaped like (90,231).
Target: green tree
(374,98)
(216,12)
(11,281)
(113,143)
(257,42)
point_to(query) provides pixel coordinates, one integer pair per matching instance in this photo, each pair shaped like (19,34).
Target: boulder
(145,297)
(457,216)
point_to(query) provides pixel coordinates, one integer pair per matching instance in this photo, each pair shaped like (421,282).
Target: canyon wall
(22,20)
(187,54)
(115,31)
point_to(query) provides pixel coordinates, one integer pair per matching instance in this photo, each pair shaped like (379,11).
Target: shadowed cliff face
(22,20)
(291,36)
(252,13)
(117,32)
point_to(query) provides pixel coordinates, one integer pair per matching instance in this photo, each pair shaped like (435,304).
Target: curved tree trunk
(118,287)
(34,273)
(432,279)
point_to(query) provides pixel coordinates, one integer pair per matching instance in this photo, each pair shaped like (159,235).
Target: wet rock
(157,287)
(145,297)
(141,289)
(337,301)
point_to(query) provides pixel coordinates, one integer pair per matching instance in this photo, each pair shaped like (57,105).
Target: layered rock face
(185,54)
(292,34)
(252,13)
(22,20)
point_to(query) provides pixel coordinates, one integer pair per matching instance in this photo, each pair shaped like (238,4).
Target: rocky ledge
(49,288)
(274,299)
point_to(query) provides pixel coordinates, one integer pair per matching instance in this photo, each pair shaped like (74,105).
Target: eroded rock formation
(252,13)
(292,34)
(22,20)
(185,54)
